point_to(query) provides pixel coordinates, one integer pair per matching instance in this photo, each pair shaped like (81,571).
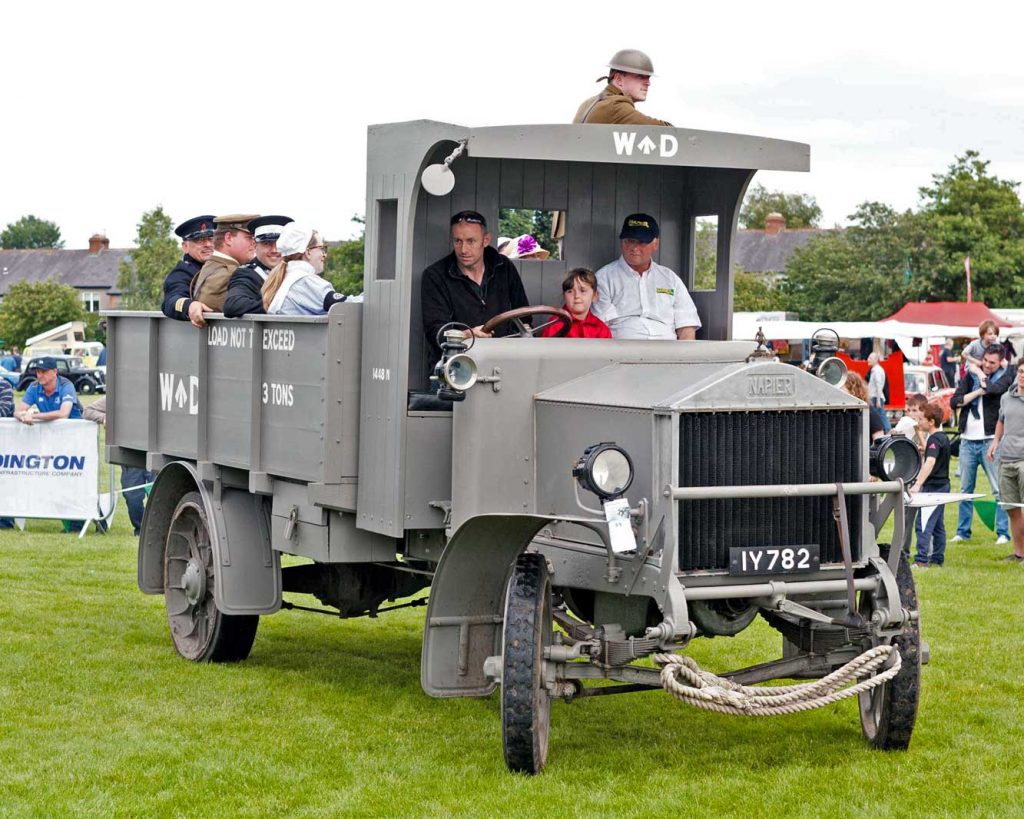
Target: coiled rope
(683,679)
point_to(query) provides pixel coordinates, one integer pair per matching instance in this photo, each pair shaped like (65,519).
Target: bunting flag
(967,269)
(986,510)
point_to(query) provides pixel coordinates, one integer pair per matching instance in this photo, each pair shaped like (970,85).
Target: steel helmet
(632,61)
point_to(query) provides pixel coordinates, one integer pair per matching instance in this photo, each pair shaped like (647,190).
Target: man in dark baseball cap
(196,236)
(641,227)
(639,298)
(245,286)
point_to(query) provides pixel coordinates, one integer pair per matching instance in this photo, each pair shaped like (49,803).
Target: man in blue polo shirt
(50,398)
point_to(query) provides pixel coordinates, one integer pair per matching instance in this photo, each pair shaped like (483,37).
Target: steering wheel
(520,313)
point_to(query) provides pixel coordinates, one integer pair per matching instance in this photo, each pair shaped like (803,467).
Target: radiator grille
(745,448)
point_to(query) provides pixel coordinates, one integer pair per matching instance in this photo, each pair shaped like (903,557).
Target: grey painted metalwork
(299,436)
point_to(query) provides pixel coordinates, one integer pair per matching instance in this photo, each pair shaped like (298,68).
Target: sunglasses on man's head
(473,220)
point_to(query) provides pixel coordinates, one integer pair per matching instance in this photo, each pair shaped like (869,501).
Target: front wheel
(87,386)
(525,703)
(199,630)
(888,712)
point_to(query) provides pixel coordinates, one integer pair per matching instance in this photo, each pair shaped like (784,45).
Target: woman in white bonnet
(295,286)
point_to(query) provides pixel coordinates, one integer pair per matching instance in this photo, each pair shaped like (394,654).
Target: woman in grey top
(295,286)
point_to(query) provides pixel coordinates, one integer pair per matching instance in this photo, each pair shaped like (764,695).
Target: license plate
(774,559)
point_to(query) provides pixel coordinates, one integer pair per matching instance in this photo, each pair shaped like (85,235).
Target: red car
(930,381)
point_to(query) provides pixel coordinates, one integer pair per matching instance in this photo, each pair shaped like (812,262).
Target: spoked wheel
(525,704)
(200,632)
(888,712)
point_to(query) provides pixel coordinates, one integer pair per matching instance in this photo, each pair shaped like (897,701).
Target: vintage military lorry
(575,506)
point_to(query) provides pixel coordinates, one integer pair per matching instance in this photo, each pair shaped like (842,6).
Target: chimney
(774,224)
(98,242)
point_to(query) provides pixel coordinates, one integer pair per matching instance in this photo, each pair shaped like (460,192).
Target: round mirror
(437,180)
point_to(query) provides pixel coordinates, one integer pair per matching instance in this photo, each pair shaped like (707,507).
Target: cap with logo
(268,228)
(198,227)
(235,221)
(47,362)
(640,226)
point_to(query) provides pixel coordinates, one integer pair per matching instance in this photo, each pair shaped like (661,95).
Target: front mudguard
(467,601)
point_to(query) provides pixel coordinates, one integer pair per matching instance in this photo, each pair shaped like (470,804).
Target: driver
(470,285)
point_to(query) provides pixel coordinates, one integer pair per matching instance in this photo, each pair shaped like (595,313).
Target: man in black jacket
(978,415)
(470,285)
(245,289)
(197,243)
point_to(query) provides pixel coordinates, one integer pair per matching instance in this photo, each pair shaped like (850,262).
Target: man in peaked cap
(629,78)
(233,245)
(639,298)
(197,245)
(245,286)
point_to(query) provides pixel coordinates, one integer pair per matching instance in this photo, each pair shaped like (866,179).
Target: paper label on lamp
(620,529)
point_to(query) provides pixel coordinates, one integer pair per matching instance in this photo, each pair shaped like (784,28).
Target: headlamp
(604,469)
(824,363)
(894,457)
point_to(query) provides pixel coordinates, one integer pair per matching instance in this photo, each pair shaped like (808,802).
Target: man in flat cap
(245,286)
(197,246)
(639,298)
(233,245)
(629,77)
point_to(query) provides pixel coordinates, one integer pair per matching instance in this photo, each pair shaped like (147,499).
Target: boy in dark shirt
(934,477)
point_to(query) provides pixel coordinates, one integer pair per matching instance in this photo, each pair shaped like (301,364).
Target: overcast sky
(110,109)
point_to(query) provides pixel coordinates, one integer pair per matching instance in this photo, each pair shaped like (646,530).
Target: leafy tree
(864,273)
(705,255)
(30,232)
(800,209)
(968,212)
(751,293)
(31,308)
(141,275)
(344,266)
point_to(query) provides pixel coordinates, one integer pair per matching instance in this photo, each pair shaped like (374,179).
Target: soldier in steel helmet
(629,78)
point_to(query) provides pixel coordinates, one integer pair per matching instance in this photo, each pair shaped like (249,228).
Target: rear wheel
(200,631)
(889,711)
(525,703)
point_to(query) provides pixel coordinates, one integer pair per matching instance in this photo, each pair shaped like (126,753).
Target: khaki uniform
(612,107)
(211,284)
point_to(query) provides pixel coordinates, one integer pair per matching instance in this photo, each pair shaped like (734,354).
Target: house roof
(758,252)
(78,268)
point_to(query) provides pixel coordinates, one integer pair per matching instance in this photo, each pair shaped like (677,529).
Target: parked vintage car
(86,380)
(931,381)
(11,377)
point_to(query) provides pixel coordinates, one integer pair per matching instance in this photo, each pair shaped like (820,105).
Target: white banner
(49,469)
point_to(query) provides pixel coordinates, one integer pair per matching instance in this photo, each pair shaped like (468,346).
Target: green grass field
(99,716)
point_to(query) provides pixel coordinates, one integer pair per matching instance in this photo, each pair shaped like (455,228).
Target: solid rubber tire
(525,704)
(230,636)
(888,713)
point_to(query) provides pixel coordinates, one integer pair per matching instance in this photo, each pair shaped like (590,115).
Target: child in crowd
(988,333)
(934,477)
(909,424)
(579,290)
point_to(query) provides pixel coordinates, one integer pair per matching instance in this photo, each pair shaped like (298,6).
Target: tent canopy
(955,313)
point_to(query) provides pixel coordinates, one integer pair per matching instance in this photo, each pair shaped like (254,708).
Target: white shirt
(651,305)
